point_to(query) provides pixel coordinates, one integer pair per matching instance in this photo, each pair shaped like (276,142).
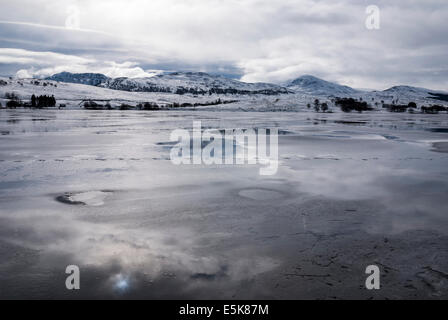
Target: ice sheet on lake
(221,231)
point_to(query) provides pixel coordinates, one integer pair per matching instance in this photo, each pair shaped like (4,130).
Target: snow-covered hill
(73,94)
(203,84)
(406,94)
(416,92)
(197,83)
(202,88)
(314,86)
(92,79)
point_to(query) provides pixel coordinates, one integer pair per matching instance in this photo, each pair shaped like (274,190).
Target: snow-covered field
(73,95)
(352,190)
(295,98)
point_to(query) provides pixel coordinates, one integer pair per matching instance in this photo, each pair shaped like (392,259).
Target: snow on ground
(73,95)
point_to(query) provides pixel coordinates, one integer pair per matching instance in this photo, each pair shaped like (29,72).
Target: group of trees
(194,91)
(158,89)
(92,105)
(197,104)
(318,106)
(148,106)
(43,101)
(434,109)
(267,92)
(231,91)
(39,102)
(411,106)
(346,105)
(350,104)
(11,96)
(14,100)
(38,83)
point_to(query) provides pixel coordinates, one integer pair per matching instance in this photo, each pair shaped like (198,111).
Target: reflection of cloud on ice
(120,282)
(134,251)
(347,180)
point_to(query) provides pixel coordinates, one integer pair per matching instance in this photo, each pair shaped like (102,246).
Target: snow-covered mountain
(194,83)
(410,92)
(417,92)
(197,83)
(74,95)
(92,79)
(314,86)
(405,94)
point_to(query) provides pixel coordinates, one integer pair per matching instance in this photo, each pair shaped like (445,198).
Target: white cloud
(21,56)
(43,64)
(23,74)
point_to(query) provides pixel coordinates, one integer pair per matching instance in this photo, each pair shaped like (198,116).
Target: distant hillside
(93,79)
(202,84)
(414,93)
(314,86)
(197,83)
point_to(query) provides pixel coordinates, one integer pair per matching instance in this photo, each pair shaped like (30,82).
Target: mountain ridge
(201,83)
(313,85)
(198,83)
(93,79)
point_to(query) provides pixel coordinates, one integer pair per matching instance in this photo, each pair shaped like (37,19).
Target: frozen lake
(97,189)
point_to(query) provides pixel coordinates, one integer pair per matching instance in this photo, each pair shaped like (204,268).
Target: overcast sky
(254,40)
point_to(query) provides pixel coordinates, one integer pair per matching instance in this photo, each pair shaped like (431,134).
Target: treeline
(268,92)
(230,91)
(149,106)
(155,106)
(180,90)
(14,100)
(411,107)
(92,105)
(43,83)
(158,89)
(434,109)
(318,106)
(346,105)
(215,90)
(38,102)
(350,104)
(43,101)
